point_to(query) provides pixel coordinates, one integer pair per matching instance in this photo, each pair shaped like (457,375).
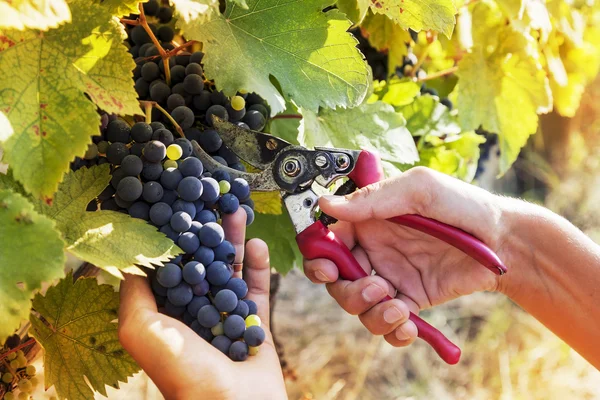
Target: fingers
(358,296)
(257,273)
(391,318)
(234,226)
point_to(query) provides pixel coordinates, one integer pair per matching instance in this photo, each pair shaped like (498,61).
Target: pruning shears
(292,170)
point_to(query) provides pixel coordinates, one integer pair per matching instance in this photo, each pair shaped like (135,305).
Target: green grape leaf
(355,10)
(22,14)
(120,8)
(278,232)
(516,87)
(286,125)
(426,116)
(43,92)
(386,36)
(312,56)
(395,92)
(6,129)
(31,252)
(267,202)
(75,324)
(418,15)
(110,240)
(241,3)
(375,127)
(115,241)
(8,182)
(198,11)
(77,190)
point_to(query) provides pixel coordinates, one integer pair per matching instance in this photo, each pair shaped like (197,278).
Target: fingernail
(372,293)
(322,277)
(404,331)
(392,315)
(332,199)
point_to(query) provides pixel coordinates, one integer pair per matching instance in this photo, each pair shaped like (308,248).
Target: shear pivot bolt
(291,167)
(321,161)
(342,162)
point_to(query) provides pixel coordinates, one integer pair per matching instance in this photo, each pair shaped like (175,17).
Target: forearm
(554,275)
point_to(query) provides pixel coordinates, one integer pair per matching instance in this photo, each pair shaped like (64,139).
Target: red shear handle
(317,241)
(368,170)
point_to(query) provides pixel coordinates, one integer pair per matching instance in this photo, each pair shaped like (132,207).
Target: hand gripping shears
(292,170)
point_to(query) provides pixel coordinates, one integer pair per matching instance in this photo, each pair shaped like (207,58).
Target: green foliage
(418,15)
(426,116)
(44,78)
(31,252)
(385,35)
(21,14)
(110,240)
(195,11)
(75,324)
(244,47)
(120,7)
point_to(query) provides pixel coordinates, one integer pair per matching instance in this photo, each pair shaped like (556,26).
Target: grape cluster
(209,299)
(19,377)
(407,68)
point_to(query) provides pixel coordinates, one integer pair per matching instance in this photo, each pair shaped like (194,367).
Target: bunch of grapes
(18,378)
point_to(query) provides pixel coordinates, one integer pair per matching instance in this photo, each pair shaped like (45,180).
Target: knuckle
(422,195)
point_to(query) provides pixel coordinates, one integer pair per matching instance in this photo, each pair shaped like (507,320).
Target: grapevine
(100,103)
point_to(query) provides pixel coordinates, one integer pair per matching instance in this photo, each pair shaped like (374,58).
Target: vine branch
(17,348)
(154,104)
(288,116)
(163,54)
(439,74)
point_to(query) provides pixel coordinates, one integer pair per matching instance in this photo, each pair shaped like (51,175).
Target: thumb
(257,273)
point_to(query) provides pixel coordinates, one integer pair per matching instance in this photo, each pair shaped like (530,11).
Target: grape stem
(288,116)
(173,52)
(439,74)
(129,21)
(19,347)
(420,61)
(163,54)
(154,104)
(148,110)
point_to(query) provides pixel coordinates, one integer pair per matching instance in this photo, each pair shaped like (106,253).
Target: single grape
(188,242)
(237,286)
(218,273)
(197,57)
(141,132)
(196,304)
(155,151)
(150,72)
(117,175)
(143,49)
(241,309)
(170,232)
(116,152)
(191,166)
(190,188)
(103,147)
(193,84)
(160,213)
(242,125)
(183,58)
(252,351)
(201,289)
(180,295)
(175,100)
(252,320)
(193,68)
(177,77)
(202,101)
(91,152)
(172,310)
(159,289)
(152,192)
(140,210)
(238,103)
(204,255)
(218,111)
(181,221)
(186,147)
(226,300)
(185,206)
(235,115)
(165,33)
(164,136)
(156,126)
(195,228)
(25,386)
(217,329)
(170,178)
(255,120)
(169,275)
(240,188)
(447,102)
(249,214)
(174,152)
(211,234)
(210,190)
(205,216)
(170,164)
(260,108)
(165,14)
(222,343)
(208,316)
(225,252)
(142,88)
(194,272)
(130,188)
(224,187)
(132,165)
(252,307)
(14,364)
(169,197)
(30,370)
(152,170)
(238,351)
(184,116)
(160,92)
(210,141)
(234,326)
(220,160)
(151,7)
(221,175)
(228,203)
(7,377)
(139,35)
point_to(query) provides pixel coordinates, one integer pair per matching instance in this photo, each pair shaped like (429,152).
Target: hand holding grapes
(181,363)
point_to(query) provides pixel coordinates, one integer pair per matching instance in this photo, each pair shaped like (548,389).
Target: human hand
(181,363)
(417,270)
